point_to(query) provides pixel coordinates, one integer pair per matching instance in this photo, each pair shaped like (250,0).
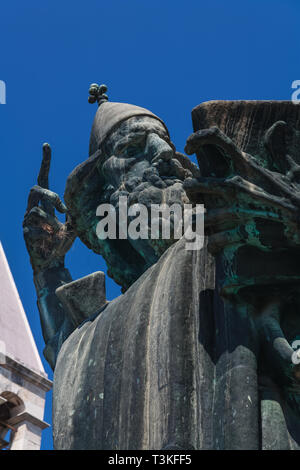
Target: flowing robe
(167,365)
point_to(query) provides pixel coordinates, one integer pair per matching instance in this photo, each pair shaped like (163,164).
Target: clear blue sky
(165,55)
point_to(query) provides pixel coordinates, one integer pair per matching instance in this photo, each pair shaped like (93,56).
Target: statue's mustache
(160,175)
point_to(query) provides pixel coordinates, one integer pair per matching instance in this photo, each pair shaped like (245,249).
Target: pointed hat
(110,115)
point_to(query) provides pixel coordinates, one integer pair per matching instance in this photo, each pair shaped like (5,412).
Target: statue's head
(131,155)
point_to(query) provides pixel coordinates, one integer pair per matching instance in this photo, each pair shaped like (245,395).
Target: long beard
(161,183)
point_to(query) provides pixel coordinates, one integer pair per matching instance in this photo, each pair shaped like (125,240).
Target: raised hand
(47,239)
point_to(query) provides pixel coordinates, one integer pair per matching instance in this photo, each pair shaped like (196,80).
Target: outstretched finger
(43,178)
(43,181)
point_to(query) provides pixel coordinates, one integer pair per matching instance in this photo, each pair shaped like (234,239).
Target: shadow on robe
(168,365)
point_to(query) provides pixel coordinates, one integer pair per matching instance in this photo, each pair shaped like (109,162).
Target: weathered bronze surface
(197,352)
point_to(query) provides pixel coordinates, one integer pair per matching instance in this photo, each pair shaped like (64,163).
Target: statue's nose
(158,148)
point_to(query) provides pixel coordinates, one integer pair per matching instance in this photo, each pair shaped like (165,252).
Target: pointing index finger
(43,178)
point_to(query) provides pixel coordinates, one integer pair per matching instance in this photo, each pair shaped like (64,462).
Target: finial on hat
(97,93)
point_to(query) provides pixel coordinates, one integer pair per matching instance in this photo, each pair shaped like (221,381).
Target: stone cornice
(23,417)
(28,374)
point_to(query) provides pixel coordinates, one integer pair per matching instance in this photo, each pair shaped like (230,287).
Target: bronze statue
(199,350)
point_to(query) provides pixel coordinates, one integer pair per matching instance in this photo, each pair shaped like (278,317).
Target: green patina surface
(256,241)
(252,226)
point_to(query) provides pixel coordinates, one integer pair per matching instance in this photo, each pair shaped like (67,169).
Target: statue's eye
(133,150)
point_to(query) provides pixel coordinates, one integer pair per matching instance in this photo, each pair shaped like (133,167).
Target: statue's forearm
(56,325)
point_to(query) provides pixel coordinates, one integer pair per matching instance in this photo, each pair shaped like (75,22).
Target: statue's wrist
(51,277)
(42,264)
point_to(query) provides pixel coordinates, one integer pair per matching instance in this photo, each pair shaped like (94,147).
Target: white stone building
(23,381)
